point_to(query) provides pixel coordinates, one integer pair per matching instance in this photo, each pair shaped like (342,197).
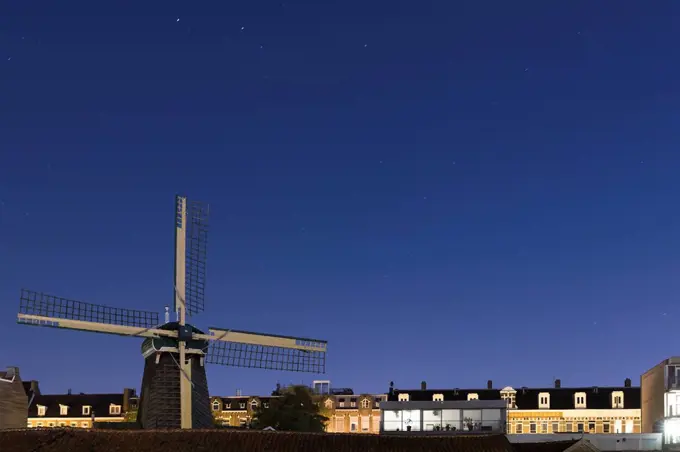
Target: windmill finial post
(167,314)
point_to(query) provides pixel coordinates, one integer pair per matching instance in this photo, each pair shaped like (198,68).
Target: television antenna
(174,385)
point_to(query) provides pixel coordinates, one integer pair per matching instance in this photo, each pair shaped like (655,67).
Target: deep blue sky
(447,191)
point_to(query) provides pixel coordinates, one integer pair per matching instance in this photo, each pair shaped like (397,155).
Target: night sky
(445,191)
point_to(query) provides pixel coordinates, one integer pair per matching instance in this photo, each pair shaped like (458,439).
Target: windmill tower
(174,385)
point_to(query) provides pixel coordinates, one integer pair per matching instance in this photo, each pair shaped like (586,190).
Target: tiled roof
(527,398)
(233,403)
(229,440)
(100,404)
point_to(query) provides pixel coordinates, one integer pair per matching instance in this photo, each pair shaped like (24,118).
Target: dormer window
(63,410)
(377,402)
(253,405)
(42,410)
(242,405)
(114,410)
(265,404)
(617,399)
(438,397)
(544,400)
(328,403)
(580,400)
(87,409)
(341,403)
(365,403)
(216,405)
(353,402)
(228,406)
(403,398)
(473,396)
(509,394)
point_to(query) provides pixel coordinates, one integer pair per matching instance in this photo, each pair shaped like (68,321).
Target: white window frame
(580,400)
(328,403)
(114,409)
(216,405)
(254,405)
(42,410)
(404,397)
(365,424)
(544,400)
(617,399)
(365,403)
(87,409)
(352,404)
(242,405)
(473,396)
(437,397)
(63,410)
(353,420)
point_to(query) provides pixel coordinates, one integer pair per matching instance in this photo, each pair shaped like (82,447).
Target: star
(243,28)
(9,58)
(365,45)
(178,19)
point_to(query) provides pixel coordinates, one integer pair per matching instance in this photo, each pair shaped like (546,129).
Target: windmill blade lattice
(196,253)
(236,354)
(44,305)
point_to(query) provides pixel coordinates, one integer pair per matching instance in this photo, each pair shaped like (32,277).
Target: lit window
(265,404)
(253,405)
(242,405)
(403,397)
(353,402)
(518,428)
(580,400)
(86,410)
(41,410)
(74,424)
(473,396)
(328,403)
(544,400)
(63,410)
(114,409)
(216,405)
(438,397)
(556,427)
(227,406)
(532,427)
(365,403)
(617,399)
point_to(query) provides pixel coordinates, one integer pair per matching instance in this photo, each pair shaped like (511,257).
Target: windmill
(174,384)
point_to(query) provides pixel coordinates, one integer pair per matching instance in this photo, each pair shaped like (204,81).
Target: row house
(555,409)
(80,410)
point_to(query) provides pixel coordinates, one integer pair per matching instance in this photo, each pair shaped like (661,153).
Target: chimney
(35,389)
(423,385)
(69,391)
(489,384)
(558,383)
(626,383)
(238,393)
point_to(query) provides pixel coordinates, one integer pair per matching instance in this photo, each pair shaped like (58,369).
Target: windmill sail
(196,252)
(41,309)
(245,349)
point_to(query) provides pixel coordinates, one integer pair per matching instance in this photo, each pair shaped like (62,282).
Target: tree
(294,410)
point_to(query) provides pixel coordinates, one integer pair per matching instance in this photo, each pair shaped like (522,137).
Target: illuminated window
(580,400)
(403,398)
(86,410)
(114,409)
(438,398)
(617,399)
(253,405)
(63,410)
(216,405)
(329,404)
(365,403)
(556,427)
(242,405)
(473,396)
(544,400)
(41,410)
(518,428)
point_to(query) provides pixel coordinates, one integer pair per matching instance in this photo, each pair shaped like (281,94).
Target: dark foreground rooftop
(74,440)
